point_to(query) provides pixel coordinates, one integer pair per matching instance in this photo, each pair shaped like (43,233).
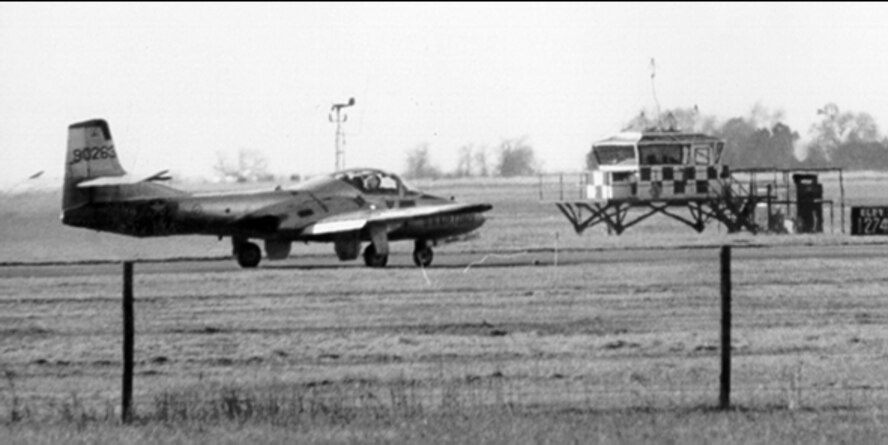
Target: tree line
(844,139)
(514,157)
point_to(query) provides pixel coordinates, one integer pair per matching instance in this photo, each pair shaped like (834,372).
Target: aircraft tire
(372,259)
(423,256)
(248,255)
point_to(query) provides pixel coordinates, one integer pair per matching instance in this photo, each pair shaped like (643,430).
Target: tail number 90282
(93,153)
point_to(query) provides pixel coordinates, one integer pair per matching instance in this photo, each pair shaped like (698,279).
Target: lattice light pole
(340,136)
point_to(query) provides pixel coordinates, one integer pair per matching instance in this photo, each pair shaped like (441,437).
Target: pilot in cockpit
(372,183)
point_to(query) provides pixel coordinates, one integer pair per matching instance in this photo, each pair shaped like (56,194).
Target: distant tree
(763,117)
(481,162)
(516,158)
(737,132)
(780,148)
(815,157)
(859,155)
(419,164)
(680,119)
(750,146)
(472,161)
(639,123)
(464,163)
(848,140)
(826,134)
(706,124)
(760,139)
(251,166)
(676,119)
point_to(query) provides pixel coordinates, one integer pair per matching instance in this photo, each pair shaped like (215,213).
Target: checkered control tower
(656,166)
(660,171)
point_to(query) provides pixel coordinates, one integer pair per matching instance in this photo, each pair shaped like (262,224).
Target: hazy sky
(180,82)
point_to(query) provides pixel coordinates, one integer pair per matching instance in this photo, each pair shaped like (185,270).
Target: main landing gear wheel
(373,259)
(248,255)
(423,255)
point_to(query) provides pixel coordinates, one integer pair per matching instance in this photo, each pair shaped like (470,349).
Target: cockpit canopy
(375,182)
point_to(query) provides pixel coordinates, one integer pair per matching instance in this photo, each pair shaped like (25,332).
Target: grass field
(612,352)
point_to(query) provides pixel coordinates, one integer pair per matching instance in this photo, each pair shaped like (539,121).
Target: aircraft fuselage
(223,215)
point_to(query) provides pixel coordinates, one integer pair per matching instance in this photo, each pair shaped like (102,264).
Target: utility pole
(340,136)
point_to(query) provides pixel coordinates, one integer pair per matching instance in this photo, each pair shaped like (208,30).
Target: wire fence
(625,331)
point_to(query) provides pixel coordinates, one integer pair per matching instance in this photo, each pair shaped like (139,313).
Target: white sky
(180,82)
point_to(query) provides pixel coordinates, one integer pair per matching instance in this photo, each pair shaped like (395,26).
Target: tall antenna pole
(654,89)
(340,135)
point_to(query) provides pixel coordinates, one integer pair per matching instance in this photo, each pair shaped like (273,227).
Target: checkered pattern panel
(658,182)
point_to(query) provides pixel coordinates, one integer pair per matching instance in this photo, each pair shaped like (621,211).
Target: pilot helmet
(373,182)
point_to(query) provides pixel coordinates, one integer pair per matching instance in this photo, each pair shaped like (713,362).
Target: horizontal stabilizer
(126,179)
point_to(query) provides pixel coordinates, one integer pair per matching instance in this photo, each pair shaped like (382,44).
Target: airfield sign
(869,220)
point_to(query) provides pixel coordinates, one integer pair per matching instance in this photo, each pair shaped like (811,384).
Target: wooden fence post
(725,381)
(541,186)
(126,399)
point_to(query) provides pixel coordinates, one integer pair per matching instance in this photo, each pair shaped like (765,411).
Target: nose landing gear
(422,254)
(373,259)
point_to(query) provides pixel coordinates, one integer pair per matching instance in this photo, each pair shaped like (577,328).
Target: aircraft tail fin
(91,151)
(90,155)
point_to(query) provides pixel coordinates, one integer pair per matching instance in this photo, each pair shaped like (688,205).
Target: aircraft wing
(404,213)
(351,221)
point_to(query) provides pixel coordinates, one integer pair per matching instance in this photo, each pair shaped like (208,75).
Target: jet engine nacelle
(347,246)
(277,250)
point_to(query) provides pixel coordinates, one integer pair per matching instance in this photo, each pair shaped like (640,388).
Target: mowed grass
(609,351)
(613,352)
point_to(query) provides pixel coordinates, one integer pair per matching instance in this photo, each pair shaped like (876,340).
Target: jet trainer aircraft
(346,208)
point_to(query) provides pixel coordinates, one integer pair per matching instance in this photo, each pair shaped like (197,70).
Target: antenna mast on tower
(654,89)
